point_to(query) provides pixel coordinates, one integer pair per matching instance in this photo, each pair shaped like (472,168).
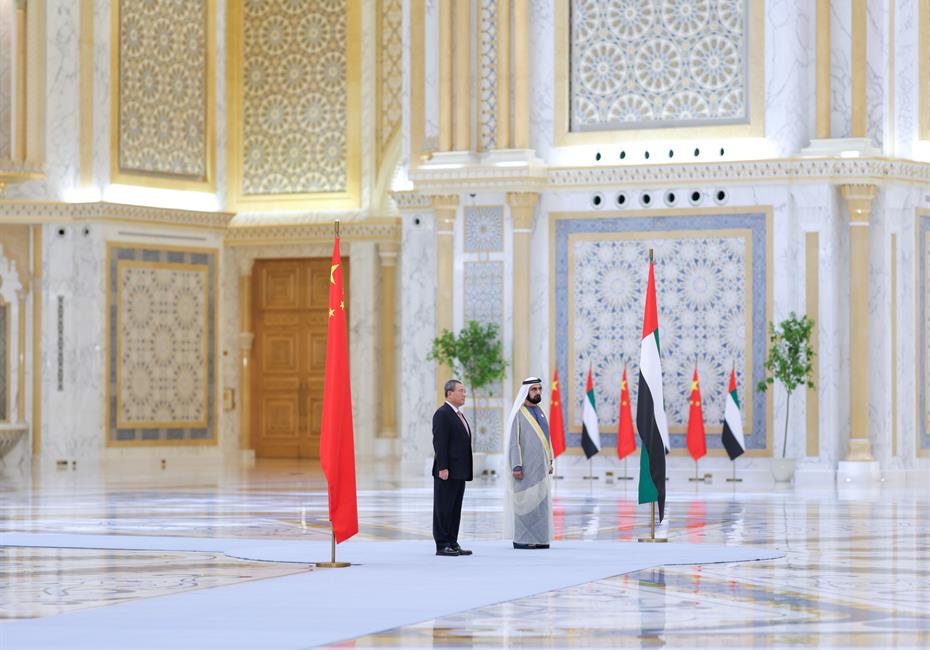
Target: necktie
(464,423)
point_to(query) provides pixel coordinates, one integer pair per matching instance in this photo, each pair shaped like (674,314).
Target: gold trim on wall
(894,344)
(417,73)
(812,307)
(153,179)
(214,440)
(346,200)
(920,270)
(756,96)
(695,212)
(858,63)
(38,291)
(822,28)
(86,112)
(5,306)
(923,70)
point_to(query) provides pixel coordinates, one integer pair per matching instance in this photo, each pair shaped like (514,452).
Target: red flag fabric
(697,443)
(337,447)
(556,425)
(626,440)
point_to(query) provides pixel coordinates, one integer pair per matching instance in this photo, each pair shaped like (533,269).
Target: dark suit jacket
(451,444)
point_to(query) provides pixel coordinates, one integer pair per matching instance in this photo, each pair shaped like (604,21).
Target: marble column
(823,69)
(522,207)
(445,209)
(21,356)
(859,204)
(859,64)
(387,251)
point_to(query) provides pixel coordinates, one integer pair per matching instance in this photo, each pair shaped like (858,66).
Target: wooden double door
(290,303)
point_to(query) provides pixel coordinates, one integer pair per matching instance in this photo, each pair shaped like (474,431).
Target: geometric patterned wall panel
(294,96)
(162,345)
(923,334)
(489,422)
(711,290)
(487,60)
(638,64)
(392,72)
(162,85)
(484,292)
(484,229)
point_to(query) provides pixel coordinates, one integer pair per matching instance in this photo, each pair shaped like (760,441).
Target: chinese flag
(337,449)
(626,440)
(697,445)
(556,426)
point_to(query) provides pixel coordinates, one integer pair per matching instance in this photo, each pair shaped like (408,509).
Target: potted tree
(790,363)
(476,352)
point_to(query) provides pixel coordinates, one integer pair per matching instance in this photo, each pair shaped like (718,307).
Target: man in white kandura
(528,515)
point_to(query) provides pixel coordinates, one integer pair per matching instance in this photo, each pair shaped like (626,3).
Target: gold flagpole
(333,564)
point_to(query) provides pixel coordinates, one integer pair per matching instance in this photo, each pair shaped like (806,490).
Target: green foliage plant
(476,354)
(790,361)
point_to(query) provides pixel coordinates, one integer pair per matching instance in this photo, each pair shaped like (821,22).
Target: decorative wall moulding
(53,212)
(18,171)
(315,232)
(538,179)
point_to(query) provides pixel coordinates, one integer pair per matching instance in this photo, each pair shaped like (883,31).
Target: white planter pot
(783,469)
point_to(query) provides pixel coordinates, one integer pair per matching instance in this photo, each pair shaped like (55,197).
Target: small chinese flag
(697,444)
(337,447)
(556,425)
(626,440)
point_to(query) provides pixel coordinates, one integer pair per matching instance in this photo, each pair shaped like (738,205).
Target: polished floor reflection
(856,571)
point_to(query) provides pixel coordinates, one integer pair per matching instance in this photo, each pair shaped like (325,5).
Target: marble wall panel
(876,70)
(923,380)
(430,64)
(841,69)
(789,68)
(7,23)
(542,79)
(391,103)
(904,49)
(417,288)
(364,307)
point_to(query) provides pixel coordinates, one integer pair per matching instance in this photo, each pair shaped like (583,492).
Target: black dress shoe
(448,551)
(462,551)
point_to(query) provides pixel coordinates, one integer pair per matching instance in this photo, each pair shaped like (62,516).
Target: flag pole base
(624,478)
(333,565)
(590,478)
(656,540)
(558,478)
(734,480)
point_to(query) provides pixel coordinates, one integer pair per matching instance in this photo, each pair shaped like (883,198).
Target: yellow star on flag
(342,305)
(332,270)
(694,385)
(555,385)
(332,312)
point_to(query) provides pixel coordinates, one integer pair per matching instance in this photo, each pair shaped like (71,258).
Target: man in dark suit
(452,466)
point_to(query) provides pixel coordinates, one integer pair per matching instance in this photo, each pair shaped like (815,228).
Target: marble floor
(856,571)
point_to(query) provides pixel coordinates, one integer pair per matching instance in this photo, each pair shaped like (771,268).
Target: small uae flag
(590,434)
(556,424)
(697,443)
(626,442)
(732,436)
(650,406)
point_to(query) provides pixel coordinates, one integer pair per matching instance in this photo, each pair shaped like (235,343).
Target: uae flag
(590,434)
(556,424)
(732,436)
(337,448)
(697,443)
(650,407)
(626,442)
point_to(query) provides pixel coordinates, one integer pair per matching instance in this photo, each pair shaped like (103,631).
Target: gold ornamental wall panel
(163,98)
(294,114)
(161,322)
(392,74)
